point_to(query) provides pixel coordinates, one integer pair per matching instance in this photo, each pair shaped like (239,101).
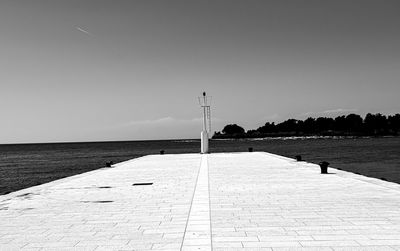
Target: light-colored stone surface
(79,214)
(198,230)
(238,201)
(268,201)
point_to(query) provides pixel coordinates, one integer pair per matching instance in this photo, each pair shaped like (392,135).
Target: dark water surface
(26,165)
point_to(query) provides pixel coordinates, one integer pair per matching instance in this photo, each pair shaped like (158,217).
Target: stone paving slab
(233,201)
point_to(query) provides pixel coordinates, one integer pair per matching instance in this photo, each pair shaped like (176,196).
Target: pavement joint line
(209,204)
(191,203)
(200,206)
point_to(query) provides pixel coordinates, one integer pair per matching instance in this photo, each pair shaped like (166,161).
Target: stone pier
(225,201)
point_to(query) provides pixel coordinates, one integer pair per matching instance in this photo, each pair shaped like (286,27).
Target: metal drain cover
(98,201)
(142,184)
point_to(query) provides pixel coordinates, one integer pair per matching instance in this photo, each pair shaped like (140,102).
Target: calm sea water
(26,165)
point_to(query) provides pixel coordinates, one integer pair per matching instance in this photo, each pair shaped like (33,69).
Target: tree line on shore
(350,125)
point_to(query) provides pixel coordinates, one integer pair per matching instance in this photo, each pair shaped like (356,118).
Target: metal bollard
(324,167)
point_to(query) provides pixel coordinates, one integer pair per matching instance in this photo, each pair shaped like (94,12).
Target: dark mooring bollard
(109,163)
(162,152)
(250,149)
(298,157)
(324,166)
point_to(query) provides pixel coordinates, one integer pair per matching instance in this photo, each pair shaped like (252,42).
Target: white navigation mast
(205,102)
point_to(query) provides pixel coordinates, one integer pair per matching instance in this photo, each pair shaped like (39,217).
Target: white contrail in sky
(82,30)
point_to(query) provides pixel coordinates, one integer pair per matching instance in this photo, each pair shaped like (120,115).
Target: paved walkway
(238,201)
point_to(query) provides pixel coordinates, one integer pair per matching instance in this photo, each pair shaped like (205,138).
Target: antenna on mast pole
(205,102)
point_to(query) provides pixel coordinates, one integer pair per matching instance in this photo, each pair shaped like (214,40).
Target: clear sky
(94,70)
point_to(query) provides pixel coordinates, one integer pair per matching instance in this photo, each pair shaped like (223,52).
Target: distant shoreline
(352,125)
(304,137)
(308,137)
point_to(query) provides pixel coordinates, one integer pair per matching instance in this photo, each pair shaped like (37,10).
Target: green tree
(232,129)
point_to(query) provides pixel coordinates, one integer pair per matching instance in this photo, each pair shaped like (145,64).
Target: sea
(26,165)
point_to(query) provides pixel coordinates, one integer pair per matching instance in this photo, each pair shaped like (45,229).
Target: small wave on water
(186,140)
